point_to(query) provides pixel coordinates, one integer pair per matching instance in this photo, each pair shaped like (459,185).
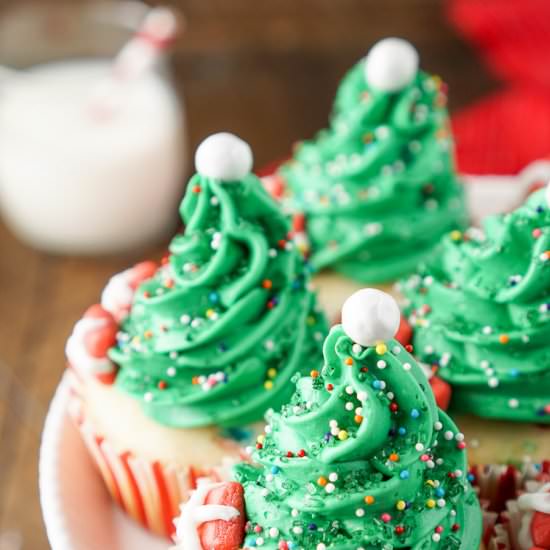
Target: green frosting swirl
(481,312)
(361,457)
(378,187)
(217,334)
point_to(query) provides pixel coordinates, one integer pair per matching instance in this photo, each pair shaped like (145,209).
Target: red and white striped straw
(140,54)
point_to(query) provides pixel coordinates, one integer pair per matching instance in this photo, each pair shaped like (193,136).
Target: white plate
(77,509)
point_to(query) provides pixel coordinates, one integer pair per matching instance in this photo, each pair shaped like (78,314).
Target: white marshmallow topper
(391,64)
(370,316)
(224,156)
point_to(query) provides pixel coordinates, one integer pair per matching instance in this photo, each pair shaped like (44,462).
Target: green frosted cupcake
(377,188)
(361,457)
(174,371)
(480,309)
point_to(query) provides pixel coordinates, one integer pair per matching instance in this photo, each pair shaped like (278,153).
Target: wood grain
(265,70)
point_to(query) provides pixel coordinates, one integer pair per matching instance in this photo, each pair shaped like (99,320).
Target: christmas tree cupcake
(361,457)
(181,358)
(480,309)
(373,193)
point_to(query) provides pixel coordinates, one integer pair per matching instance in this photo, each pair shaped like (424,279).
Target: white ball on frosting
(224,156)
(370,316)
(548,194)
(391,64)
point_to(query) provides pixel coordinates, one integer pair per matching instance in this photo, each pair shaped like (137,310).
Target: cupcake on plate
(360,457)
(480,310)
(180,360)
(372,194)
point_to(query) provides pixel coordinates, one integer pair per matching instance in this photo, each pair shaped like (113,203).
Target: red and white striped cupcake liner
(149,491)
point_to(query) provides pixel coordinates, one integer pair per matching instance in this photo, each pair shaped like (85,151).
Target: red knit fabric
(504,132)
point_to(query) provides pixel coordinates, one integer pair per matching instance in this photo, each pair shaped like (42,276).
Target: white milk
(73,182)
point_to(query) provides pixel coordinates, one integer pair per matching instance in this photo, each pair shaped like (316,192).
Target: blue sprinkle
(222,347)
(214,297)
(312,527)
(540,209)
(440,492)
(404,474)
(470,477)
(514,373)
(327,437)
(402,431)
(275,470)
(415,413)
(252,542)
(376,384)
(296,284)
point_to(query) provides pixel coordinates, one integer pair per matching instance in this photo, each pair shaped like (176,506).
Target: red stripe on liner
(166,505)
(142,516)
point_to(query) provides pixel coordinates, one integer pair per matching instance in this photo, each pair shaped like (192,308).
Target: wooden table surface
(265,70)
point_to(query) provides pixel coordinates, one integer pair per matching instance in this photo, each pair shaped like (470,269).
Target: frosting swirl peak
(216,335)
(378,186)
(361,457)
(481,312)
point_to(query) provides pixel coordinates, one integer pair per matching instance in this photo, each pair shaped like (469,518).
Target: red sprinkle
(394,407)
(197,189)
(162,385)
(289,454)
(330,387)
(399,530)
(301,453)
(409,348)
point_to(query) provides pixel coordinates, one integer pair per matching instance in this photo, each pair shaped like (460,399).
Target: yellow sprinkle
(342,435)
(381,348)
(369,499)
(260,438)
(272,373)
(430,482)
(456,235)
(401,505)
(430,503)
(268,385)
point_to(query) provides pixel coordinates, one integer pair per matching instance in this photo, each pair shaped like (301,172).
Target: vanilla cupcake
(180,360)
(372,194)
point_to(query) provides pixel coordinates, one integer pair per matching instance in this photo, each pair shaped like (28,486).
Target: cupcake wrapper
(148,491)
(498,488)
